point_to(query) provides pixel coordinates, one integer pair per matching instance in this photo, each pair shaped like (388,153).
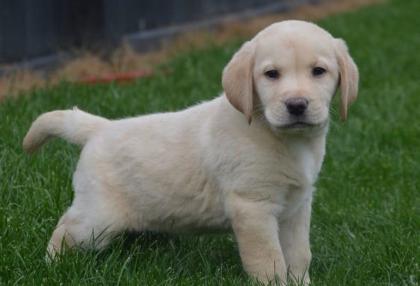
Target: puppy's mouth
(298,125)
(295,124)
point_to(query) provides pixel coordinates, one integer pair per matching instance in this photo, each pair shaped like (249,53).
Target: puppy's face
(295,75)
(289,73)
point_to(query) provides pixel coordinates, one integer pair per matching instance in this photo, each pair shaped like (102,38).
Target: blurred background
(32,29)
(47,41)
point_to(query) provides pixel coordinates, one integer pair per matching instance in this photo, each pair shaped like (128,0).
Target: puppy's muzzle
(296,105)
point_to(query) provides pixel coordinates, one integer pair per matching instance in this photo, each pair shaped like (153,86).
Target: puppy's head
(289,72)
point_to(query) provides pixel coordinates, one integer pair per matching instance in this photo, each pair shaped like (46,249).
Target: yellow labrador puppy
(244,161)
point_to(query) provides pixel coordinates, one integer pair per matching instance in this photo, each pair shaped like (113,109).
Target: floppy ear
(349,77)
(237,80)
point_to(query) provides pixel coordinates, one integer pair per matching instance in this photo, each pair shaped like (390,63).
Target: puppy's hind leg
(78,228)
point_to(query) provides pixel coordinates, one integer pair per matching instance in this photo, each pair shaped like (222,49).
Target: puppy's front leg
(256,231)
(294,239)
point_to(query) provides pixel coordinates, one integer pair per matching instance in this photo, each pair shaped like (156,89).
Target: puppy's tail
(74,126)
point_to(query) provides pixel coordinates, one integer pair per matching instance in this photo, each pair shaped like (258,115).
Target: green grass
(365,228)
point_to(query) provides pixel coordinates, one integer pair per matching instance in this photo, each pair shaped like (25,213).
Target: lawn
(366,214)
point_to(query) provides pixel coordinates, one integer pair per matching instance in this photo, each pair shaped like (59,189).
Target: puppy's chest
(306,162)
(305,166)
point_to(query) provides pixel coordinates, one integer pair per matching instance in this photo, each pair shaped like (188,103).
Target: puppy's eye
(317,71)
(272,74)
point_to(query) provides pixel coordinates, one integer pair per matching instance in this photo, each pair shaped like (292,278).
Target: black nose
(296,105)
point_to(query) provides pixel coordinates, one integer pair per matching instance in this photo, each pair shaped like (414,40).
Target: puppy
(245,161)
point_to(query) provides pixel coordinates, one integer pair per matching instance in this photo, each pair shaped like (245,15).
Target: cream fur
(206,167)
